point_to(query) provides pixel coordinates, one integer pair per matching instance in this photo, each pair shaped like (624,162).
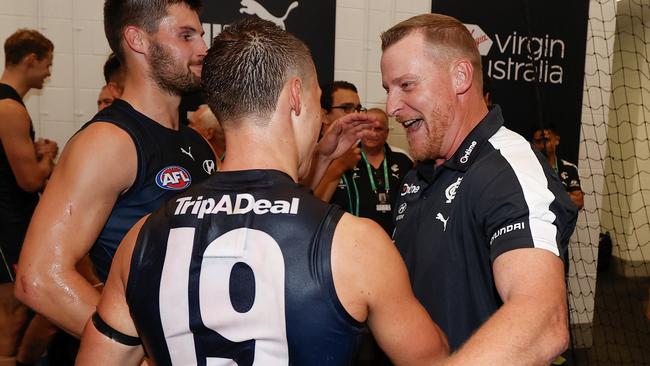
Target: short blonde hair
(448,38)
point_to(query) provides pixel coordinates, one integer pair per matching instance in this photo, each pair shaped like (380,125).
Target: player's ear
(135,39)
(30,58)
(210,133)
(295,90)
(462,75)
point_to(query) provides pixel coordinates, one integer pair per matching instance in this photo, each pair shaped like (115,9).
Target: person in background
(105,98)
(547,140)
(371,188)
(338,99)
(114,75)
(482,220)
(25,166)
(207,124)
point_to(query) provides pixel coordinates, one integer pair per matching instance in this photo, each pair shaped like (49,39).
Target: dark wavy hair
(144,14)
(328,91)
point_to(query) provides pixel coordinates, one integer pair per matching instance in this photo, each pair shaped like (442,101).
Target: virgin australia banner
(311,21)
(534,52)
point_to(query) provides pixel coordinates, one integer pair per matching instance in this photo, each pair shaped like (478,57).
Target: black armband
(114,334)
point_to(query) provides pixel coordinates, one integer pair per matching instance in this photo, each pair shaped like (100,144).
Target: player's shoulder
(11,104)
(101,137)
(360,233)
(12,111)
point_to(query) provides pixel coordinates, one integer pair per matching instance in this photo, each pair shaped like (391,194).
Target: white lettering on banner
(525,71)
(507,229)
(243,203)
(522,58)
(483,42)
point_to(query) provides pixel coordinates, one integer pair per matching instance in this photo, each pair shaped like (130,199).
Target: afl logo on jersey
(173,178)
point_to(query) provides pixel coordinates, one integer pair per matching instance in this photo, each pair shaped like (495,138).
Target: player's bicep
(93,170)
(396,315)
(113,307)
(368,270)
(17,142)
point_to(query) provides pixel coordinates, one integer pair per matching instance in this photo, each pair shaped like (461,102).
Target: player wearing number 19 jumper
(249,267)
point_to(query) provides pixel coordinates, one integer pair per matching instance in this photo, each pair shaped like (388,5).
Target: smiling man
(482,222)
(121,165)
(370,189)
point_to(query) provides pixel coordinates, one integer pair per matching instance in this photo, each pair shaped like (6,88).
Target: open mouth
(415,122)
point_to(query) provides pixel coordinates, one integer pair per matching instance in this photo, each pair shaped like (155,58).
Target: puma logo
(188,152)
(252,7)
(443,220)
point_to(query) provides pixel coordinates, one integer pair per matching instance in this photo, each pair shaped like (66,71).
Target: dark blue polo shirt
(452,221)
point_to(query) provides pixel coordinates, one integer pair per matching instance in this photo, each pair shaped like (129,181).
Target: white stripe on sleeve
(518,153)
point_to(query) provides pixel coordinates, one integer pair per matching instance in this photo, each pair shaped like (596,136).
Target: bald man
(372,186)
(206,123)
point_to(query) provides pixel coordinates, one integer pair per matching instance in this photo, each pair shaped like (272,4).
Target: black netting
(608,288)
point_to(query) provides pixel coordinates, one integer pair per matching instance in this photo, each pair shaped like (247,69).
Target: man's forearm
(319,166)
(67,299)
(328,184)
(522,332)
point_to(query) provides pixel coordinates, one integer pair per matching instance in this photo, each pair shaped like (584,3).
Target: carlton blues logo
(173,178)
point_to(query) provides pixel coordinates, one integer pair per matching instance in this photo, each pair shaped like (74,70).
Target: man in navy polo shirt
(481,223)
(546,141)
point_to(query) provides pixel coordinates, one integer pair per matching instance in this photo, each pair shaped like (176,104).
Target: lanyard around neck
(353,210)
(371,176)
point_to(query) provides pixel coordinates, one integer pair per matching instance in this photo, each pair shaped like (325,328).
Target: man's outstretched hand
(341,135)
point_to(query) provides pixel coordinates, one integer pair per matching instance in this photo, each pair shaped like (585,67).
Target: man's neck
(375,156)
(260,149)
(552,160)
(149,99)
(467,119)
